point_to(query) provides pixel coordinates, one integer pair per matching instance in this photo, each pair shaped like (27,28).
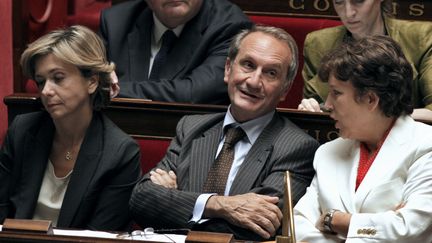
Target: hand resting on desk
(252,211)
(258,213)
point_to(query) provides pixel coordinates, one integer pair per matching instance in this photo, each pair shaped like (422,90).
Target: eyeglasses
(152,234)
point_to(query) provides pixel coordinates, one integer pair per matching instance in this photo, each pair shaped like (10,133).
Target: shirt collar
(252,128)
(159,29)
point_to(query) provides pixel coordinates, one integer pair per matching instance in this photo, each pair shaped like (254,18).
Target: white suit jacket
(401,173)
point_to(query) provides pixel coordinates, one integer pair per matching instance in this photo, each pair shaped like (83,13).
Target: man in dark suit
(259,71)
(192,69)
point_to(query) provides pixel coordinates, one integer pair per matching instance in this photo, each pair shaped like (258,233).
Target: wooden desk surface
(34,238)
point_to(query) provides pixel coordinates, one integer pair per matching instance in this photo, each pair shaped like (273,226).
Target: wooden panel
(140,118)
(403,9)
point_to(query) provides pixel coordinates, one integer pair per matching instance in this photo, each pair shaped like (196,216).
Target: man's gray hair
(275,32)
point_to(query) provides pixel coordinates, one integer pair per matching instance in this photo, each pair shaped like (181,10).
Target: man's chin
(244,112)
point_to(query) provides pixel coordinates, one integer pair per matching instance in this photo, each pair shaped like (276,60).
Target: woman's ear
(93,83)
(372,100)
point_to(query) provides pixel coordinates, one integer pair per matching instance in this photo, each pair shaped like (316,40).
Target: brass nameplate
(27,225)
(201,236)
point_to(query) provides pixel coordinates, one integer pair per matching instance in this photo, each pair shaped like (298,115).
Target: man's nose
(255,79)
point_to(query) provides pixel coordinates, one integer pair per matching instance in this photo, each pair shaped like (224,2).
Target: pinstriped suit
(281,146)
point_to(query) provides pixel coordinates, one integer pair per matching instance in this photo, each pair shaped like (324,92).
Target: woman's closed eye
(335,93)
(58,77)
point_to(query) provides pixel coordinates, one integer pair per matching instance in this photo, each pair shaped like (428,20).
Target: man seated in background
(209,181)
(171,50)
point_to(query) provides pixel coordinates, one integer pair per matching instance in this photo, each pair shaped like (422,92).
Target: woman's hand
(309,105)
(114,88)
(339,223)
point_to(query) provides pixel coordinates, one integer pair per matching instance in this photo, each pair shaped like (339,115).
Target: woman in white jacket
(374,184)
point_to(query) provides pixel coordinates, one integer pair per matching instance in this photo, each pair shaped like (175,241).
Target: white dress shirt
(253,129)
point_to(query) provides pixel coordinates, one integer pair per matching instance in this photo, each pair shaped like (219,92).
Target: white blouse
(51,195)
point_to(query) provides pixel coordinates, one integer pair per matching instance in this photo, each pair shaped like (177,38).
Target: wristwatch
(327,224)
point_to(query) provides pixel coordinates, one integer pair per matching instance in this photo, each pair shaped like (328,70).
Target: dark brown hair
(377,64)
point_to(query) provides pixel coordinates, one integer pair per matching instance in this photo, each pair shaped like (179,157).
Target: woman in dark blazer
(69,163)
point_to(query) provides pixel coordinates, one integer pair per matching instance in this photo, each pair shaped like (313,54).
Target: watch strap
(327,222)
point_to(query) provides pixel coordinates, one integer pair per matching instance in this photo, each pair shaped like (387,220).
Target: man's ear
(284,94)
(227,69)
(93,83)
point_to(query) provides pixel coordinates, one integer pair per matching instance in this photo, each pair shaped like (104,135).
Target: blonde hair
(79,46)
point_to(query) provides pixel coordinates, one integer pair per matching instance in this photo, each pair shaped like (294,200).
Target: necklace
(68,155)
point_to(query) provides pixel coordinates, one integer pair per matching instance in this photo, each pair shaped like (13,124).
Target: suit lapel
(37,151)
(85,167)
(139,51)
(203,152)
(181,53)
(187,43)
(347,171)
(399,135)
(256,158)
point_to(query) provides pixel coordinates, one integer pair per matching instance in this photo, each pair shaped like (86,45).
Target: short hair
(377,64)
(79,46)
(275,32)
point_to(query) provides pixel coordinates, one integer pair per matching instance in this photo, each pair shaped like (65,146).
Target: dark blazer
(281,146)
(195,66)
(102,180)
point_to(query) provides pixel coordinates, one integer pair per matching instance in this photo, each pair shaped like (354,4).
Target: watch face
(327,221)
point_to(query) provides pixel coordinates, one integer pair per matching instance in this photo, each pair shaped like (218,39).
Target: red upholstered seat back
(64,13)
(86,12)
(298,28)
(152,151)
